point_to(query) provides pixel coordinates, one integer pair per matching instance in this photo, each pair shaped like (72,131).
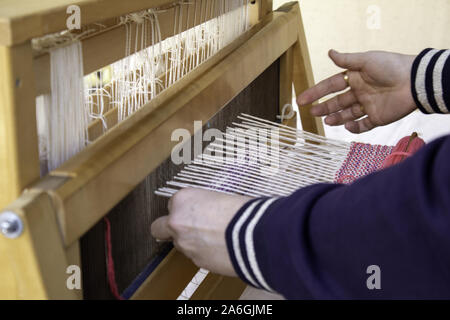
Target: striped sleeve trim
(240,242)
(430,80)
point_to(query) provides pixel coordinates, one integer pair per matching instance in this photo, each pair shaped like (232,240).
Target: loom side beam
(18,129)
(286,80)
(303,76)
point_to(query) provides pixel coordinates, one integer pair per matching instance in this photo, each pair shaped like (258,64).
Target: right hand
(380,91)
(197,223)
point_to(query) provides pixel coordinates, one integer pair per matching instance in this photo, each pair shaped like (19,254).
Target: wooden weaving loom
(115,176)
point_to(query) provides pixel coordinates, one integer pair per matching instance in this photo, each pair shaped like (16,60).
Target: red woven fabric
(362,160)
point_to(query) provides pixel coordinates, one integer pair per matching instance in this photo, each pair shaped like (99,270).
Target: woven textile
(362,160)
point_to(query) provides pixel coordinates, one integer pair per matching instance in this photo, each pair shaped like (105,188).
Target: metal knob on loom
(11,226)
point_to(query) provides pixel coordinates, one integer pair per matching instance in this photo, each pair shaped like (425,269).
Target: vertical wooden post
(19,160)
(304,78)
(286,79)
(265,7)
(7,284)
(259,9)
(19,157)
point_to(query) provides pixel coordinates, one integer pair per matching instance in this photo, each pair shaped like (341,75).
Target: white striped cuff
(241,245)
(430,81)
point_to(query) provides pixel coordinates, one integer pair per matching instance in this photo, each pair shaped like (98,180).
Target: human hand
(196,223)
(380,91)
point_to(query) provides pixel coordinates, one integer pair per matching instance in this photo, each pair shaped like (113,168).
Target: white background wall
(405,26)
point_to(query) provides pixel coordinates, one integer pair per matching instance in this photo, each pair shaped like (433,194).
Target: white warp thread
(64,121)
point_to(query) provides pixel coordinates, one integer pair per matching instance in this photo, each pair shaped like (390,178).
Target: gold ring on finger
(361,107)
(346,78)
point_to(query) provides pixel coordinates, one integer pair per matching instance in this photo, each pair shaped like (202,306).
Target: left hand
(196,223)
(380,91)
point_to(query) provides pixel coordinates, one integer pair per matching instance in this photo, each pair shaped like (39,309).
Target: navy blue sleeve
(320,241)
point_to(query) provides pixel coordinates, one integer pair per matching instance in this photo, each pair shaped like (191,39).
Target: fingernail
(333,52)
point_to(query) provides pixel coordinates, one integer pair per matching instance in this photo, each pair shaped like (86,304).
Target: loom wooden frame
(59,208)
